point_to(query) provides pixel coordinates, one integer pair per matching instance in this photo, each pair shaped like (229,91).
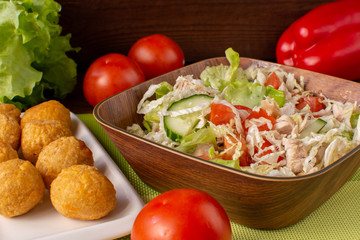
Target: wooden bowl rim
(324,170)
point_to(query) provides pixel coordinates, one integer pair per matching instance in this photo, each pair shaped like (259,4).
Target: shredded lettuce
(33,62)
(229,163)
(237,89)
(354,120)
(245,93)
(277,95)
(189,142)
(163,89)
(279,151)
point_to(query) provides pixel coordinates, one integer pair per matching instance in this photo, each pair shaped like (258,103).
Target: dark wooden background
(203,29)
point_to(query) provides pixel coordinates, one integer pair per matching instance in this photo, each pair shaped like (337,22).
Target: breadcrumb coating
(83,192)
(21,188)
(60,154)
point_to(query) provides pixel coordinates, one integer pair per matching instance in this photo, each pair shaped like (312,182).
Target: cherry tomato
(182,214)
(108,75)
(314,103)
(157,54)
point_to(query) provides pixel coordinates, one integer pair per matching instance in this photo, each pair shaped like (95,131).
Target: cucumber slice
(178,127)
(314,126)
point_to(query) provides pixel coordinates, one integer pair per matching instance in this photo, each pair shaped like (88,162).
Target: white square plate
(44,222)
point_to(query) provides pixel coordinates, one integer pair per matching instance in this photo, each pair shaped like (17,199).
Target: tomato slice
(240,107)
(244,159)
(261,113)
(204,156)
(314,103)
(273,80)
(265,145)
(222,114)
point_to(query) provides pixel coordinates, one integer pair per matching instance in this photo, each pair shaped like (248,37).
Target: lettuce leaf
(229,163)
(204,135)
(237,89)
(34,66)
(220,76)
(245,93)
(277,95)
(164,89)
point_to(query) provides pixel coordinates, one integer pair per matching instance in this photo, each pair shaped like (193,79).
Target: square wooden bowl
(251,200)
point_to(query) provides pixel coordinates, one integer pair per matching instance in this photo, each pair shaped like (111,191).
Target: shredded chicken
(271,107)
(284,125)
(183,83)
(295,154)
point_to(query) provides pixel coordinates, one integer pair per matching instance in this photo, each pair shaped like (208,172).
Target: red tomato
(273,80)
(109,75)
(314,103)
(182,214)
(259,114)
(222,114)
(263,146)
(240,107)
(157,54)
(244,159)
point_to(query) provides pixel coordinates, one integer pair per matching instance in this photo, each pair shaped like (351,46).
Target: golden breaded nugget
(83,192)
(10,110)
(7,152)
(47,110)
(62,153)
(21,187)
(10,131)
(38,133)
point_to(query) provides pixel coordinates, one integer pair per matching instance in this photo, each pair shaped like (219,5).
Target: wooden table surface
(203,29)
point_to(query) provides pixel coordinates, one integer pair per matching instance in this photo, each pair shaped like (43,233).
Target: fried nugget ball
(62,153)
(38,133)
(82,192)
(7,152)
(10,110)
(47,110)
(21,187)
(10,131)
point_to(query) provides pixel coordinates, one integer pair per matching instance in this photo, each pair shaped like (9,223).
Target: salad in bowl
(259,120)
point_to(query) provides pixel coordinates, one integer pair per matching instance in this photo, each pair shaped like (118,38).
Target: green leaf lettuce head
(34,66)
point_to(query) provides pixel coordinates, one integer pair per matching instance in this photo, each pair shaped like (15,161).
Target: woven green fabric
(338,218)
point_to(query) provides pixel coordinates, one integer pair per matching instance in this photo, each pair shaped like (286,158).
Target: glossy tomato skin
(182,214)
(108,75)
(157,54)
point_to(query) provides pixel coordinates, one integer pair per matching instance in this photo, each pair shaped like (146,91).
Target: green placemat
(338,218)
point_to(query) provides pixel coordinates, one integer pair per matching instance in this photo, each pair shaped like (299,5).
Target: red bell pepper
(325,40)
